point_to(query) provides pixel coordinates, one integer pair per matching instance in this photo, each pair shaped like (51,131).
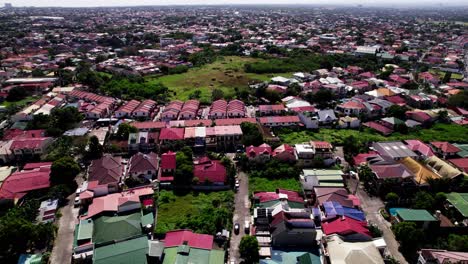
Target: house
(47,210)
(235,121)
(419,116)
(126,109)
(105,172)
(145,109)
(353,107)
(223,138)
(235,109)
(189,110)
(184,247)
(34,176)
(280,121)
(390,170)
(379,127)
(171,134)
(461,163)
(218,109)
(333,210)
(311,178)
(143,166)
(334,194)
(444,169)
(419,216)
(210,172)
(349,122)
(195,136)
(341,252)
(171,111)
(263,150)
(285,153)
(309,256)
(29,146)
(458,204)
(326,117)
(444,149)
(289,230)
(395,150)
(279,196)
(348,229)
(421,172)
(307,153)
(440,256)
(266,110)
(142,141)
(309,119)
(134,250)
(323,149)
(119,203)
(167,168)
(420,148)
(147,126)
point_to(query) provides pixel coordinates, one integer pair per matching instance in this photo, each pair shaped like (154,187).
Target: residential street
(241,213)
(371,207)
(62,252)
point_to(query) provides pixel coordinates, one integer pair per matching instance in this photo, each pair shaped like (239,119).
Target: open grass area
(441,74)
(202,212)
(439,132)
(257,184)
(22,102)
(226,73)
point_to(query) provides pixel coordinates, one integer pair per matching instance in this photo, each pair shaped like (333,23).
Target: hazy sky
(84,3)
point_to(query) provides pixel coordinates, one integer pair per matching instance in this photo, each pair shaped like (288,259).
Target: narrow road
(62,251)
(241,213)
(371,207)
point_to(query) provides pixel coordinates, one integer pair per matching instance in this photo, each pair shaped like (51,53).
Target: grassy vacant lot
(226,73)
(439,132)
(270,185)
(201,212)
(22,102)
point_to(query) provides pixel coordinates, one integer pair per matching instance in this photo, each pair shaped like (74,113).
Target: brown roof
(105,170)
(143,162)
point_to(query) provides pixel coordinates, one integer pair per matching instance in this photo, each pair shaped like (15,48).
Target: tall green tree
(95,149)
(64,171)
(248,249)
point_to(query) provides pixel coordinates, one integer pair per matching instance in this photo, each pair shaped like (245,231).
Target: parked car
(77,202)
(247,227)
(236,228)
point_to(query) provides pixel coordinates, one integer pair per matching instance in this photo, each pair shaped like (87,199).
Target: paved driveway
(371,207)
(62,251)
(241,213)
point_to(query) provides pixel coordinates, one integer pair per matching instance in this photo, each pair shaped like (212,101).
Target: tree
(252,135)
(16,94)
(439,199)
(392,198)
(409,236)
(124,130)
(459,100)
(37,73)
(397,111)
(458,242)
(249,248)
(443,116)
(64,171)
(94,148)
(423,200)
(365,176)
(217,94)
(184,171)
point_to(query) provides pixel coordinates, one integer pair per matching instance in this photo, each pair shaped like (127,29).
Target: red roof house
(106,170)
(172,133)
(187,237)
(444,148)
(210,170)
(34,176)
(263,149)
(348,228)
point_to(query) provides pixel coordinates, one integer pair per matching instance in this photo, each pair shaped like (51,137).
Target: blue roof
(336,209)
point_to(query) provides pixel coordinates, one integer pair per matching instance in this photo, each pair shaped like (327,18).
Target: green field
(226,73)
(21,103)
(201,212)
(439,132)
(257,184)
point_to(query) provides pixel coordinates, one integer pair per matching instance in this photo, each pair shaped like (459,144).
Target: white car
(78,191)
(77,202)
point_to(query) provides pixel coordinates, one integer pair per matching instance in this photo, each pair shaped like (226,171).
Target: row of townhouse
(222,109)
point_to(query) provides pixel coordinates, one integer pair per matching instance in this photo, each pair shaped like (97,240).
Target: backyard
(226,73)
(205,213)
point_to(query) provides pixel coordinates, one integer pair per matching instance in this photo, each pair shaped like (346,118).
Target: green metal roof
(30,259)
(175,255)
(85,229)
(147,219)
(116,228)
(464,150)
(130,251)
(459,201)
(415,215)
